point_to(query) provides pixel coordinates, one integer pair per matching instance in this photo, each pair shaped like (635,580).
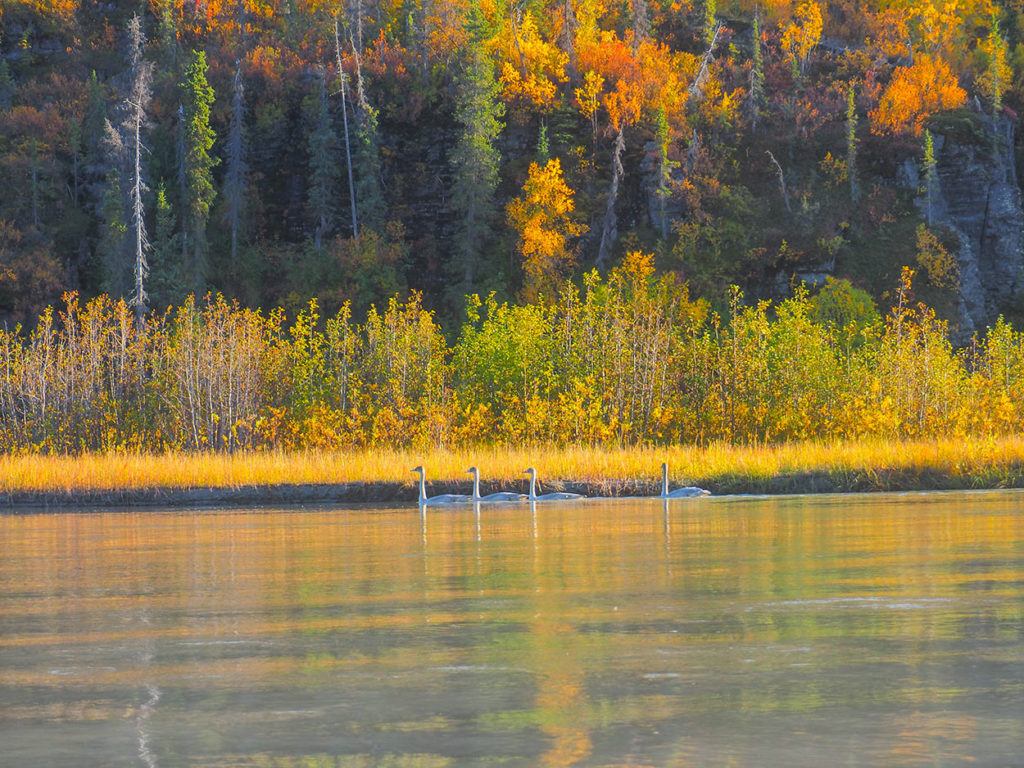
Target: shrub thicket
(625,359)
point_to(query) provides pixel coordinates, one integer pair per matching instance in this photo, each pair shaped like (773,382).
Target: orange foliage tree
(542,216)
(915,92)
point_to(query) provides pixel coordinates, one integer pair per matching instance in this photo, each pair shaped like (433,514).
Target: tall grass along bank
(384,476)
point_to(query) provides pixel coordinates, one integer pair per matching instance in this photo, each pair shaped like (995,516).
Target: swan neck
(423,486)
(533,486)
(664,479)
(476,485)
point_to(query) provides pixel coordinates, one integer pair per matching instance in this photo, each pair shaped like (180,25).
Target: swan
(687,492)
(444,498)
(556,496)
(500,496)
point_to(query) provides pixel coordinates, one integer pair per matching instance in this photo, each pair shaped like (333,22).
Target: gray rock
(980,201)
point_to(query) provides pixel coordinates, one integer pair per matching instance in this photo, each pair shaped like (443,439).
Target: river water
(797,631)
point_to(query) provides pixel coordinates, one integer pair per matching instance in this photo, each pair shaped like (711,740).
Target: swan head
(530,471)
(418,470)
(472,471)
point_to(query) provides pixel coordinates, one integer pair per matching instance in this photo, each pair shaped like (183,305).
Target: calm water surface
(801,631)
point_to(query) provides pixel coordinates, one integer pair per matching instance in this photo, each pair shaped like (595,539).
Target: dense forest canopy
(351,151)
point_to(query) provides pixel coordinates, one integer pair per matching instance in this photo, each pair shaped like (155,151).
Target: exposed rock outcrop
(979,199)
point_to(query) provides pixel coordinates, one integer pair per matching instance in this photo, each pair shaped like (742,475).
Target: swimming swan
(500,496)
(444,498)
(556,496)
(688,492)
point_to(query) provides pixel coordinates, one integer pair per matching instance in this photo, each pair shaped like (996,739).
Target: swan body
(556,496)
(687,492)
(444,498)
(500,496)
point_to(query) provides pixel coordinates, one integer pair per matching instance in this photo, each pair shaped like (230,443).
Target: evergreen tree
(851,145)
(167,277)
(323,170)
(235,180)
(75,146)
(476,162)
(6,84)
(665,166)
(997,73)
(756,96)
(369,191)
(710,21)
(197,163)
(342,81)
(167,33)
(94,159)
(931,176)
(114,227)
(543,144)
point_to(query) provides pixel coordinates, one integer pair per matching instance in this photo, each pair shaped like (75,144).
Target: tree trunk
(610,230)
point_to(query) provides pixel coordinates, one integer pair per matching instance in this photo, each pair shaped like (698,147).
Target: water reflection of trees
(565,629)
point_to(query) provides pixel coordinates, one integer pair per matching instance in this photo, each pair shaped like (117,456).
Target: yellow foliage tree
(915,92)
(587,97)
(532,67)
(997,75)
(542,216)
(803,33)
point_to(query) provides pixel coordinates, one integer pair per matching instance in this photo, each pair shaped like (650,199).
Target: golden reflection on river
(798,631)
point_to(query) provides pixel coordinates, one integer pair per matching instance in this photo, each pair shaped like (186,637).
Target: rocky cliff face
(978,197)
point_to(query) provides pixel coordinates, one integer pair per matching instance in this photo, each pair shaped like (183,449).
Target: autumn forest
(307,223)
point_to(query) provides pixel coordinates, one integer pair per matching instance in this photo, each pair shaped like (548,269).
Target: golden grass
(959,462)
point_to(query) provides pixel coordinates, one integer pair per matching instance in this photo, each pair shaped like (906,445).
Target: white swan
(499,496)
(687,492)
(444,498)
(556,496)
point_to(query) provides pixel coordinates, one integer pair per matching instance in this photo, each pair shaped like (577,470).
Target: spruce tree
(166,269)
(931,176)
(368,190)
(33,162)
(235,180)
(6,84)
(710,22)
(851,145)
(756,97)
(75,146)
(323,170)
(665,166)
(198,163)
(476,162)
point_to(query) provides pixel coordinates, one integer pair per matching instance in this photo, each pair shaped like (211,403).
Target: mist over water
(798,631)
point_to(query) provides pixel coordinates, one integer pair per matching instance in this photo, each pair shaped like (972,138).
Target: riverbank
(118,479)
